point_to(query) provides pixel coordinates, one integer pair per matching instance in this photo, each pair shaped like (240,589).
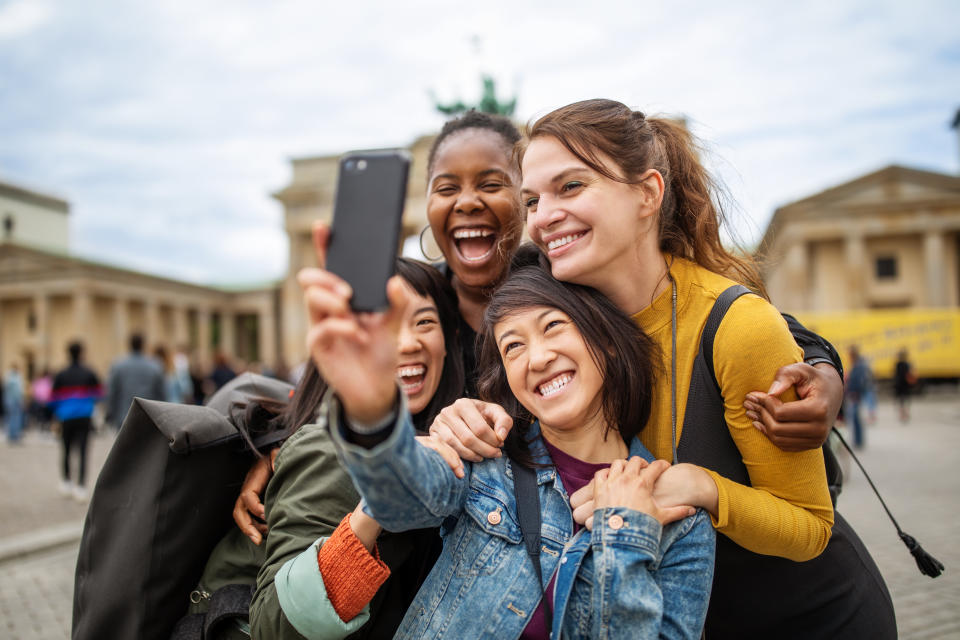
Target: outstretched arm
(406,485)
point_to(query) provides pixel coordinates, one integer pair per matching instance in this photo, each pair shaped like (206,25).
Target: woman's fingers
(465,426)
(653,471)
(446,452)
(582,495)
(635,465)
(582,503)
(245,522)
(672,514)
(498,417)
(321,240)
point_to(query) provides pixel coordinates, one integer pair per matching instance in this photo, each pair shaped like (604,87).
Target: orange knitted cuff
(351,575)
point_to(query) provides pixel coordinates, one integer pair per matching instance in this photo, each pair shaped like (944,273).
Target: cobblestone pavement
(914,466)
(30,477)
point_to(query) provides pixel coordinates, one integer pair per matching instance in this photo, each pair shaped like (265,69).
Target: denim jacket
(635,581)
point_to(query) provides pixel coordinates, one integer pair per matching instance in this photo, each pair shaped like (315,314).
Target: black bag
(839,594)
(162,501)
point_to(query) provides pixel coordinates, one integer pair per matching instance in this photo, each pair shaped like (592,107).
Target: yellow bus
(930,336)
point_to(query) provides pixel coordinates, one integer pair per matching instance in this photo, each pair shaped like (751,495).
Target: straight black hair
(624,354)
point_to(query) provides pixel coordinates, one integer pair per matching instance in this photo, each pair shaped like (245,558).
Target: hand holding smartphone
(367,212)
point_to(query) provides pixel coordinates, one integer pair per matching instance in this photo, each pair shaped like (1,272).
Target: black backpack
(162,501)
(839,594)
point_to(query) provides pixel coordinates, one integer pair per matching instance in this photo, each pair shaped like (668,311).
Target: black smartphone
(367,212)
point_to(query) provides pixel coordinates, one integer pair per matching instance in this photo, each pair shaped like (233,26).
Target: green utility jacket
(307,497)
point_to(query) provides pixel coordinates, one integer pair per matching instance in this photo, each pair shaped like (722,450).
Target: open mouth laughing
(474,244)
(411,378)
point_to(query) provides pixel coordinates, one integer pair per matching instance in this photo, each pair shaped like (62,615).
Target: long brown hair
(626,357)
(600,131)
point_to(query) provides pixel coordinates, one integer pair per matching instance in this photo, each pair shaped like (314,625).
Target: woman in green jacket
(310,493)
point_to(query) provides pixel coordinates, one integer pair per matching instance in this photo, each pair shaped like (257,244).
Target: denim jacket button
(615,522)
(494,517)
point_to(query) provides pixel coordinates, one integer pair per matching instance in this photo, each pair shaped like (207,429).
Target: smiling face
(421,351)
(596,231)
(550,369)
(472,206)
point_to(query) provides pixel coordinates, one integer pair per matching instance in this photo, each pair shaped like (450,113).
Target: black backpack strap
(724,300)
(528,514)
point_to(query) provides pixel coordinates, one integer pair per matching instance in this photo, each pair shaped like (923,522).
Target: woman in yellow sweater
(620,202)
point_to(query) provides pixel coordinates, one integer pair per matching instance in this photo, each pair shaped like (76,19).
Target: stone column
(41,331)
(82,305)
(181,336)
(934,264)
(121,325)
(228,337)
(797,293)
(151,321)
(855,257)
(267,336)
(203,337)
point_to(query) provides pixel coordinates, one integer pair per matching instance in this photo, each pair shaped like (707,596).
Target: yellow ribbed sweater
(787,512)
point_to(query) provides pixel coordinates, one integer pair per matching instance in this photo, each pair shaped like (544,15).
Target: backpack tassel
(928,565)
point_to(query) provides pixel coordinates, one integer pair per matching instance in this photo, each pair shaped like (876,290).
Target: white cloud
(21,17)
(167,124)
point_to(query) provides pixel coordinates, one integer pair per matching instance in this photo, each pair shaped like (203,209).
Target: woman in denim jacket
(568,356)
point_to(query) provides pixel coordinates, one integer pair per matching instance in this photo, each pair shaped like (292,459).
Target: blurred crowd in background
(169,374)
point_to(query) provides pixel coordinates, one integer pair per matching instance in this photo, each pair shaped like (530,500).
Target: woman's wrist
(374,414)
(708,495)
(365,528)
(701,488)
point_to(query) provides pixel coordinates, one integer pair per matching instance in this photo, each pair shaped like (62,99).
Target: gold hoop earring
(423,249)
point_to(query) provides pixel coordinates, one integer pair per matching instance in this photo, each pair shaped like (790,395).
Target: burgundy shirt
(574,474)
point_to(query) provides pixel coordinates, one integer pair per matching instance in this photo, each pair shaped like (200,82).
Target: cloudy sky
(167,124)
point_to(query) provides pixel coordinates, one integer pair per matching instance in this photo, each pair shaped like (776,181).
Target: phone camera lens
(350,165)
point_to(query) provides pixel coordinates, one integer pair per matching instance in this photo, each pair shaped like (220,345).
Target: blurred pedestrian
(13,403)
(857,385)
(40,410)
(222,371)
(177,387)
(75,393)
(903,381)
(133,376)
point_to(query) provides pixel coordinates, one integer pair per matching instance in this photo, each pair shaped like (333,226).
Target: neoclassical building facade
(887,240)
(48,298)
(875,263)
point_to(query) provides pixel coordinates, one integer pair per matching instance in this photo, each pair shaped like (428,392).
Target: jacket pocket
(489,528)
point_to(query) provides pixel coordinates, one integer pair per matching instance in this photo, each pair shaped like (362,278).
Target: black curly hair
(473,119)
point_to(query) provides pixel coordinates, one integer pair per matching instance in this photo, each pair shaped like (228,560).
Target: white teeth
(409,372)
(460,234)
(550,388)
(559,242)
